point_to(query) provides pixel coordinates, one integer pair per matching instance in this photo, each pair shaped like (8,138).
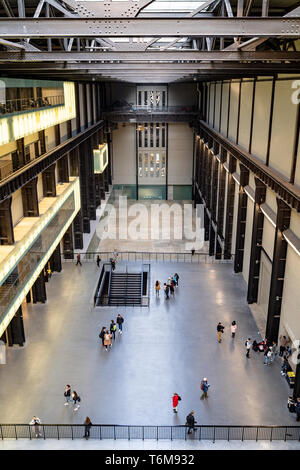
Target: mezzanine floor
(166,348)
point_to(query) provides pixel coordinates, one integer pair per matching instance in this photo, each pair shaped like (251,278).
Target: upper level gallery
(30,106)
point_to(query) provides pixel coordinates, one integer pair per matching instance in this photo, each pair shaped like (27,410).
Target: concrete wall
(17,206)
(124,154)
(182,94)
(180,154)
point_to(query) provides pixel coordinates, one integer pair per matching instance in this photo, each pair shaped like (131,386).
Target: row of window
(152,135)
(152,164)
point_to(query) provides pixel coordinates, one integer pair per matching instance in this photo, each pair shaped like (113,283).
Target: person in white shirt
(35,422)
(248,345)
(233,329)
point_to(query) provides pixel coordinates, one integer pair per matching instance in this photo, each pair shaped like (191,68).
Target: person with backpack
(190,422)
(248,344)
(220,330)
(113,328)
(67,394)
(204,387)
(120,321)
(175,399)
(76,400)
(101,335)
(166,290)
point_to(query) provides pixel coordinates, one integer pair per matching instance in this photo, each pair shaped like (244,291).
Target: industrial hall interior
(150,220)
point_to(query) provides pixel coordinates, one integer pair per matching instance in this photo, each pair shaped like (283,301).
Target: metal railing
(30,104)
(107,431)
(150,109)
(154,256)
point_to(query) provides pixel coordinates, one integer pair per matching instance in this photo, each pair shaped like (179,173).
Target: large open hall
(149,226)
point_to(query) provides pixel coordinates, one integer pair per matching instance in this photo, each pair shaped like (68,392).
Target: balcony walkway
(167,348)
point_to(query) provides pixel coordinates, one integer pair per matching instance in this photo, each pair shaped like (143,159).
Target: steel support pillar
(15,331)
(39,289)
(78,231)
(278,270)
(256,242)
(63,169)
(55,260)
(68,243)
(229,209)
(241,220)
(49,182)
(30,199)
(6,223)
(296,391)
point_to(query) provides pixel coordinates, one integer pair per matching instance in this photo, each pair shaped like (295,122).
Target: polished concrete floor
(166,348)
(189,445)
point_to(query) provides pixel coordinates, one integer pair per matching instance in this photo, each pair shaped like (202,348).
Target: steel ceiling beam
(179,55)
(154,66)
(140,27)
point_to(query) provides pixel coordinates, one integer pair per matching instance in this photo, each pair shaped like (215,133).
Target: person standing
(36,422)
(176,278)
(284,365)
(175,399)
(120,321)
(157,288)
(78,259)
(190,422)
(98,261)
(233,329)
(113,328)
(67,395)
(204,387)
(283,343)
(268,356)
(297,409)
(87,427)
(220,330)
(248,345)
(76,400)
(171,286)
(107,340)
(101,335)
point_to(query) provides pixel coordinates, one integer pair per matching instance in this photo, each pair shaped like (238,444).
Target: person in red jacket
(176,398)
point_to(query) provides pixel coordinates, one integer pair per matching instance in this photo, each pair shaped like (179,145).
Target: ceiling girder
(139,27)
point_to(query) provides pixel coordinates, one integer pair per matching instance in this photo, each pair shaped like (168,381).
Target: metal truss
(78,37)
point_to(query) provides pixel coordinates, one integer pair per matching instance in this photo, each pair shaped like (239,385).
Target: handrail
(179,432)
(29,104)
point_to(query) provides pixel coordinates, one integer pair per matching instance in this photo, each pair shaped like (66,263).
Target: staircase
(125,289)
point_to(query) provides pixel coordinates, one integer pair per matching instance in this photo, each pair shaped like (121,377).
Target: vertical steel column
(241,220)
(229,208)
(55,260)
(278,270)
(49,183)
(6,223)
(256,242)
(15,331)
(30,199)
(68,250)
(39,289)
(77,105)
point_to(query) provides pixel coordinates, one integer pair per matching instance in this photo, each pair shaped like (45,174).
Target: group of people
(169,287)
(72,397)
(106,335)
(36,423)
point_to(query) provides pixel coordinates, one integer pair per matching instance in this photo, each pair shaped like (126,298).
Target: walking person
(166,290)
(87,427)
(35,422)
(112,329)
(233,329)
(98,261)
(190,422)
(204,387)
(171,286)
(76,400)
(176,278)
(175,399)
(268,356)
(78,260)
(67,394)
(120,321)
(283,342)
(101,335)
(157,288)
(107,340)
(220,330)
(248,345)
